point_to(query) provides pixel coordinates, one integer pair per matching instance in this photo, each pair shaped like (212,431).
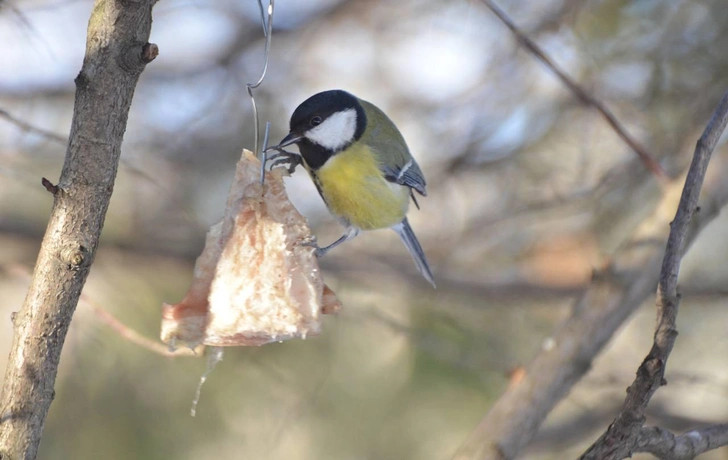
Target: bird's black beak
(291,138)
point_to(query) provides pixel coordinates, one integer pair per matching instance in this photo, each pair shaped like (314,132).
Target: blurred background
(529,193)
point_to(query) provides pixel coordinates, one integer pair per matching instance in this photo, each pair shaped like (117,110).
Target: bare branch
(112,321)
(27,127)
(116,54)
(587,99)
(149,52)
(619,440)
(613,295)
(133,336)
(667,446)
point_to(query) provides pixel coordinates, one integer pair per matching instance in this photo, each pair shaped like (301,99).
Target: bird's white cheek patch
(336,131)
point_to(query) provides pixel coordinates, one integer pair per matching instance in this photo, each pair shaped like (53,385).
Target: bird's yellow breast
(355,190)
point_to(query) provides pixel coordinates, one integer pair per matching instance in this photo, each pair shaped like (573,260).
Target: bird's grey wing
(387,142)
(409,174)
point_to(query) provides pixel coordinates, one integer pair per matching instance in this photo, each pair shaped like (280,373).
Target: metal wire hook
(268,32)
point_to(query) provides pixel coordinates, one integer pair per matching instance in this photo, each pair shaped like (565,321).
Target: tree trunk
(116,53)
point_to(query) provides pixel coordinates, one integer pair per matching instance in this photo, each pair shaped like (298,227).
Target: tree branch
(667,446)
(27,127)
(116,53)
(583,95)
(620,438)
(135,337)
(615,292)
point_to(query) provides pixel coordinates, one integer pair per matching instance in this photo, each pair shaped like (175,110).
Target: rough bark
(116,53)
(668,446)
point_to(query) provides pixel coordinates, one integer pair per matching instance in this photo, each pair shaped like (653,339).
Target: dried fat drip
(214,356)
(257,280)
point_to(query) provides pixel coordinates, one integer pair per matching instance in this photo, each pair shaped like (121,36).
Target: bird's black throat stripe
(314,155)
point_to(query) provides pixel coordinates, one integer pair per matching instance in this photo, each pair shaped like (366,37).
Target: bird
(361,166)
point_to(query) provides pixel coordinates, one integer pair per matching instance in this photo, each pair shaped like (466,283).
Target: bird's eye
(315,121)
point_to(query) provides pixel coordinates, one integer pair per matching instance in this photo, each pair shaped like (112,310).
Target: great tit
(360,165)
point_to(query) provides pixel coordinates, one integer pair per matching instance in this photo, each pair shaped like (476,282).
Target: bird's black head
(324,124)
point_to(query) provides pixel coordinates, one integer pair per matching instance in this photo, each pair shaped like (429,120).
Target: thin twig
(647,159)
(112,321)
(27,127)
(152,50)
(621,437)
(133,336)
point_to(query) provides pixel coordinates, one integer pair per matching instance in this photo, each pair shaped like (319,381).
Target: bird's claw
(283,157)
(318,251)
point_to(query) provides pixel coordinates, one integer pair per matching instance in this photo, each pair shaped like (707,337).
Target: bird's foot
(281,158)
(318,251)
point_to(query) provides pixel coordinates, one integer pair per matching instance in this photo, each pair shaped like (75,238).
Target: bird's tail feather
(409,239)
